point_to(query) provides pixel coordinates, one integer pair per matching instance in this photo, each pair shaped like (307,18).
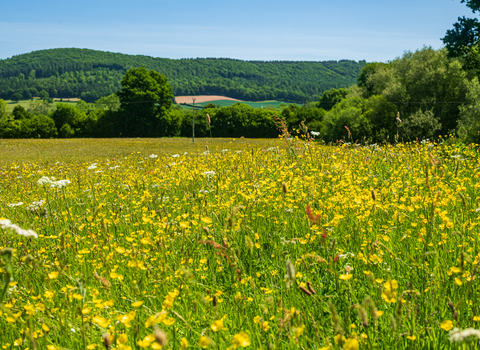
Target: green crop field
(261,244)
(26,103)
(226,103)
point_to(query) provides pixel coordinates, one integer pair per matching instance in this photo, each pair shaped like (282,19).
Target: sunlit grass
(71,150)
(249,244)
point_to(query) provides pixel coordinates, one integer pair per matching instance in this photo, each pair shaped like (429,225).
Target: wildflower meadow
(297,245)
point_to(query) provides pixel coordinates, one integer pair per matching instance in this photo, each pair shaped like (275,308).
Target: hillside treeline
(90,74)
(418,96)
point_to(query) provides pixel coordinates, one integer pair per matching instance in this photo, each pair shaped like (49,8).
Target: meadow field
(259,244)
(26,103)
(227,103)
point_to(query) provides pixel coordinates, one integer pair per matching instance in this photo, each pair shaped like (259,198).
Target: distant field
(26,103)
(202,98)
(69,150)
(226,103)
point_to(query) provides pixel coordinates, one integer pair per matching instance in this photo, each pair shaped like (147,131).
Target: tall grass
(305,246)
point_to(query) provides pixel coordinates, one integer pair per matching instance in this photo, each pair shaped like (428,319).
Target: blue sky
(318,30)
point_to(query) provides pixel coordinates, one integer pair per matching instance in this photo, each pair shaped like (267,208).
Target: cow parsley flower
(209,174)
(93,166)
(456,335)
(5,223)
(314,133)
(153,156)
(11,205)
(45,180)
(36,205)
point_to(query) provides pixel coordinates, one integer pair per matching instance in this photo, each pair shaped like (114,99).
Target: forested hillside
(91,74)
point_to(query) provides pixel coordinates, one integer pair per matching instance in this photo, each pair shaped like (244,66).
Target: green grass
(226,103)
(26,103)
(263,244)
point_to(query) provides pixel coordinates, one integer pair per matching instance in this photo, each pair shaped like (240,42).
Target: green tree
(3,108)
(331,97)
(464,39)
(17,96)
(145,97)
(110,102)
(68,119)
(43,94)
(20,113)
(426,80)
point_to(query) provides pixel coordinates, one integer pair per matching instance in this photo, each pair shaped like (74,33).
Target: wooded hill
(90,74)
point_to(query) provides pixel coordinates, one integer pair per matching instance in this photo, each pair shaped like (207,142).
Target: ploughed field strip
(295,245)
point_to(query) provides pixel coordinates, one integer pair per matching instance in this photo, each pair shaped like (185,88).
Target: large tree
(463,40)
(145,97)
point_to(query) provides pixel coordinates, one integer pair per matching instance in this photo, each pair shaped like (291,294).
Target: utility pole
(193,123)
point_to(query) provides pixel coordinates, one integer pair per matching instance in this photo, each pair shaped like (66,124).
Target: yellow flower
(137,303)
(447,325)
(265,326)
(346,277)
(217,325)
(53,275)
(476,318)
(184,343)
(45,327)
(204,342)
(30,309)
(145,343)
(101,321)
(339,339)
(168,321)
(411,337)
(122,338)
(458,281)
(379,313)
(298,331)
(77,296)
(389,293)
(256,319)
(241,340)
(350,344)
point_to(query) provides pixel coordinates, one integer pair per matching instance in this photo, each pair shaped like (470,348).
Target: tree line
(418,96)
(91,74)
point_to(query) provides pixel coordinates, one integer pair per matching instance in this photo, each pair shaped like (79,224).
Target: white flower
(11,205)
(206,153)
(45,180)
(35,205)
(54,184)
(175,155)
(5,223)
(59,183)
(225,150)
(153,156)
(93,166)
(346,255)
(314,133)
(202,191)
(209,174)
(457,335)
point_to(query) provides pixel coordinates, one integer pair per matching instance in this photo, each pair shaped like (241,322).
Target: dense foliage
(91,74)
(463,41)
(418,96)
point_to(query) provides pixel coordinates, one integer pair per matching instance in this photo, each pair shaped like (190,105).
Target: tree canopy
(145,98)
(463,40)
